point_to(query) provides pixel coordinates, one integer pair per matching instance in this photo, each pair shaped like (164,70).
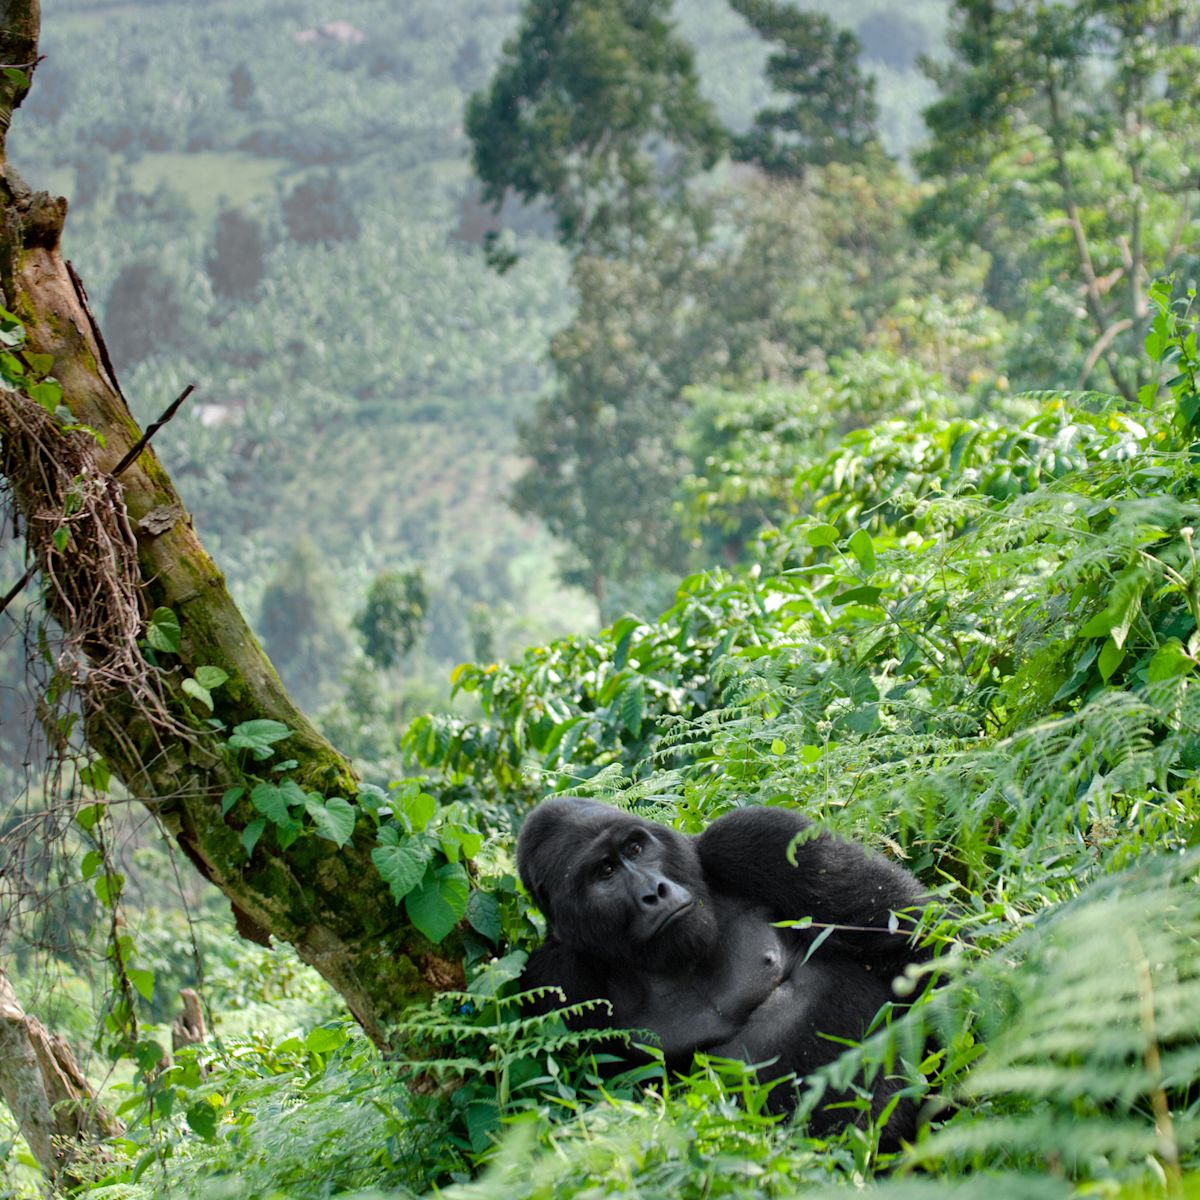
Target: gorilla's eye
(605,870)
(633,847)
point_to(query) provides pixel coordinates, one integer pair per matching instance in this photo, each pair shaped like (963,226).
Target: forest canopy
(686,407)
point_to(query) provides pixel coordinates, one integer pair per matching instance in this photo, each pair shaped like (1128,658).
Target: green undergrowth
(974,648)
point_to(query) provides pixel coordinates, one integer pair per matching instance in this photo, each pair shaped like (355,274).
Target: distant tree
(797,272)
(391,622)
(144,314)
(602,464)
(299,626)
(242,92)
(320,209)
(1066,143)
(236,260)
(165,205)
(91,178)
(596,108)
(468,67)
(54,94)
(830,114)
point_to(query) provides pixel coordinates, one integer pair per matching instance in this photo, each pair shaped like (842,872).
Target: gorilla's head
(615,886)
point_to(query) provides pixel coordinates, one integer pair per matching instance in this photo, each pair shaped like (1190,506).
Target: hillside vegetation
(855,397)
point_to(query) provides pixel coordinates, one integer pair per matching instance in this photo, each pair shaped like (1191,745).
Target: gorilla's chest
(703,1009)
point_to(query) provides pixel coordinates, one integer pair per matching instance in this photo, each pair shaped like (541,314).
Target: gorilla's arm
(835,882)
(553,965)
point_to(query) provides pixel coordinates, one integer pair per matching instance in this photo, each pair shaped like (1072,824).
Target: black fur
(677,933)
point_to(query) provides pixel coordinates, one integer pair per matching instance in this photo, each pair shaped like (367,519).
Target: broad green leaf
(163,631)
(401,866)
(211,677)
(416,805)
(498,972)
(464,677)
(1169,662)
(48,394)
(1110,659)
(275,800)
(1124,603)
(821,535)
(858,595)
(231,797)
(142,980)
(322,1041)
(288,832)
(469,840)
(622,635)
(88,815)
(96,775)
(251,834)
(371,798)
(633,706)
(148,1055)
(483,915)
(39,364)
(93,860)
(334,818)
(863,549)
(202,1120)
(108,888)
(440,901)
(198,692)
(258,737)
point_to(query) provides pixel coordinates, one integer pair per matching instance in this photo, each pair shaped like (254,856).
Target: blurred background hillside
(275,201)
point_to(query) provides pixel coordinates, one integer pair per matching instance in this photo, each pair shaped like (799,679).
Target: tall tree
(830,114)
(154,647)
(603,467)
(596,109)
(1067,143)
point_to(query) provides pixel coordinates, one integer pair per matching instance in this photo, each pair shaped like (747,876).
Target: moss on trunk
(330,903)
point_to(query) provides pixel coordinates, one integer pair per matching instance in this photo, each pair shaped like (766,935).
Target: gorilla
(679,934)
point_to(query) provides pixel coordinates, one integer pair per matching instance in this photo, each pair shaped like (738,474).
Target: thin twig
(18,587)
(143,441)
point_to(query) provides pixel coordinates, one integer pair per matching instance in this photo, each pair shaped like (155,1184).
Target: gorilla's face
(615,886)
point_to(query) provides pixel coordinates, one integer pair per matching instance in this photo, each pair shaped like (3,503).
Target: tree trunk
(112,550)
(46,1092)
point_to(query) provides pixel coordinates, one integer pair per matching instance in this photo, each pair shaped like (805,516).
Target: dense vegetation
(924,455)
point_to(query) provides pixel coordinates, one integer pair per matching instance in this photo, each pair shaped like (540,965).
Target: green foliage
(790,274)
(320,211)
(146,313)
(1064,143)
(596,108)
(831,115)
(236,262)
(298,623)
(391,622)
(981,636)
(959,626)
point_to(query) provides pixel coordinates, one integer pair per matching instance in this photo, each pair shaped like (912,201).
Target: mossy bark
(329,903)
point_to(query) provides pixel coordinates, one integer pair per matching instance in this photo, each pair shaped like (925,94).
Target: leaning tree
(177,699)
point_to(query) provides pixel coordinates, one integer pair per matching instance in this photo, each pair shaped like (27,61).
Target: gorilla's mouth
(671,916)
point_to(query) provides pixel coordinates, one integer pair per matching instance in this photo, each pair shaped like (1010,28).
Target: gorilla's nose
(659,890)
